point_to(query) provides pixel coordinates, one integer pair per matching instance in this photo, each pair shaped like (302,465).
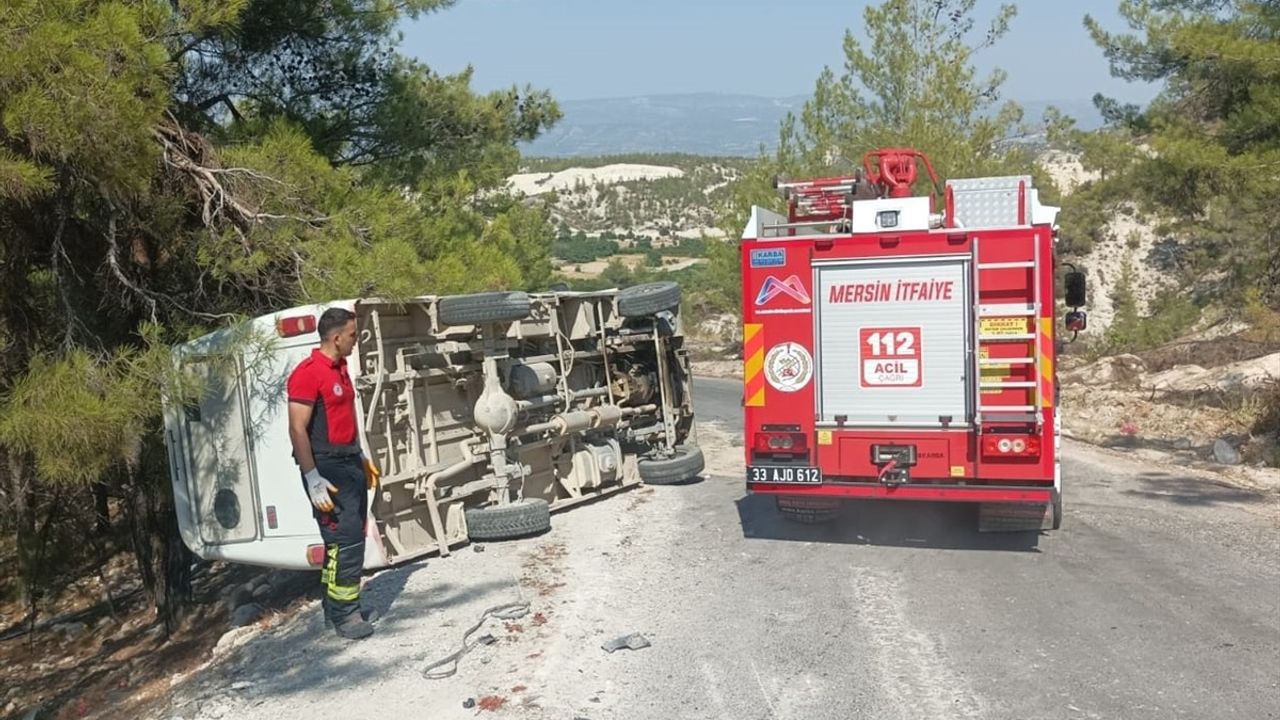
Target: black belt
(324,448)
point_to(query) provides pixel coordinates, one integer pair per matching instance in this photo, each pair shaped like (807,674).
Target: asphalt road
(1159,598)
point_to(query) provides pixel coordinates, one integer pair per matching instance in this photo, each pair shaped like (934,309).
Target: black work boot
(354,629)
(369,615)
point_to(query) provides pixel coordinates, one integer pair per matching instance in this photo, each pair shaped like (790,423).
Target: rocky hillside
(664,198)
(659,197)
(1214,401)
(1130,247)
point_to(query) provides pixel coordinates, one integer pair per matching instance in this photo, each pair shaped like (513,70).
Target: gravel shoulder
(1158,599)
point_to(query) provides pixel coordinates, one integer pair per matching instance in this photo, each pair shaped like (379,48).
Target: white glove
(318,489)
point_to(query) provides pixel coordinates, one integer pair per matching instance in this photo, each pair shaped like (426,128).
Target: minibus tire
(517,519)
(490,307)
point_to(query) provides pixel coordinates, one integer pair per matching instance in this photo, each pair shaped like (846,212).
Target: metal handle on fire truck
(825,184)
(811,223)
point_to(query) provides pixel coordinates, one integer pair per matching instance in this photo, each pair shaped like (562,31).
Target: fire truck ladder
(997,412)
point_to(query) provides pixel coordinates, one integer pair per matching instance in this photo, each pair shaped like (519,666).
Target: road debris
(634,641)
(508,611)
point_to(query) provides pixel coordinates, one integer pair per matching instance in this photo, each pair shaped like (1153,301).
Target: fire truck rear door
(895,342)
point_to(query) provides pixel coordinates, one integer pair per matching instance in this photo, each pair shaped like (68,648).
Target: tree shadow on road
(939,526)
(385,588)
(1192,491)
(385,592)
(301,659)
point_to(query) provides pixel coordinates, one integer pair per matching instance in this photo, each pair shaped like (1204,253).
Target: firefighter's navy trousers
(342,530)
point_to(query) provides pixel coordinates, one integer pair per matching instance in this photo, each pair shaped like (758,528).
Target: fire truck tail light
(1011,446)
(775,442)
(287,327)
(315,555)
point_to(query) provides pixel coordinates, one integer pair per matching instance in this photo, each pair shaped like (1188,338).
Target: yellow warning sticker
(992,373)
(1004,326)
(824,437)
(957,471)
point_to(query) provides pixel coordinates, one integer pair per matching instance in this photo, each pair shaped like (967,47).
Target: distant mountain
(699,124)
(1086,115)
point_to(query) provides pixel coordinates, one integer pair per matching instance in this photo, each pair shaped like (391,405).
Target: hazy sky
(582,49)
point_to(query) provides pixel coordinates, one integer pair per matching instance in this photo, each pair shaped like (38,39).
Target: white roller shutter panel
(935,381)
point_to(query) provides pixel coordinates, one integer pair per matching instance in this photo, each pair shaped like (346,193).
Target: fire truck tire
(648,299)
(685,465)
(521,518)
(483,308)
(1057,510)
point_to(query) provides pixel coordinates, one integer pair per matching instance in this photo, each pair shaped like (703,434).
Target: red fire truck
(902,347)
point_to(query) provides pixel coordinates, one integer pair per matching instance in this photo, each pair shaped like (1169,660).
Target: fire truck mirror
(1074,283)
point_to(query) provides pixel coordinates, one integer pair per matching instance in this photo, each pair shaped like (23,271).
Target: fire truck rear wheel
(483,308)
(648,299)
(518,519)
(682,467)
(1057,510)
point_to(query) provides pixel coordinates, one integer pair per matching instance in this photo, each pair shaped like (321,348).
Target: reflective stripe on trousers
(329,576)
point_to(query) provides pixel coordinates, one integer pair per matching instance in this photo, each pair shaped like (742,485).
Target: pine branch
(58,253)
(113,262)
(152,297)
(222,99)
(219,207)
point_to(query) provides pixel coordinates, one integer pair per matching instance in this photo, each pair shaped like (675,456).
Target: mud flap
(808,510)
(1013,517)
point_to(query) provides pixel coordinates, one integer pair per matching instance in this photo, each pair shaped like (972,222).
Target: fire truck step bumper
(1012,517)
(986,494)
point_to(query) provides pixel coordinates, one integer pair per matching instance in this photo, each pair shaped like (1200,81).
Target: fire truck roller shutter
(894,337)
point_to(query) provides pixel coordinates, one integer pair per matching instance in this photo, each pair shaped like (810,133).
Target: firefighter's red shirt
(323,383)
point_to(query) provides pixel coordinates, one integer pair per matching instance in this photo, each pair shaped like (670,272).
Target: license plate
(802,475)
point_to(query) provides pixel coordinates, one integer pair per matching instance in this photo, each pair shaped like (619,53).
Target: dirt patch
(538,183)
(93,657)
(1106,415)
(544,569)
(1224,413)
(595,268)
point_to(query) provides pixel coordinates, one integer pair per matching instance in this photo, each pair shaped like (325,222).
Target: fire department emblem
(773,288)
(788,367)
(337,389)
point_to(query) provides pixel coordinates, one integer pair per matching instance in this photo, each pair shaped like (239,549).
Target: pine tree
(166,168)
(1212,135)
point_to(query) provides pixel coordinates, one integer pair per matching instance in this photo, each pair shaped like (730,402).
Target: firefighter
(336,474)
